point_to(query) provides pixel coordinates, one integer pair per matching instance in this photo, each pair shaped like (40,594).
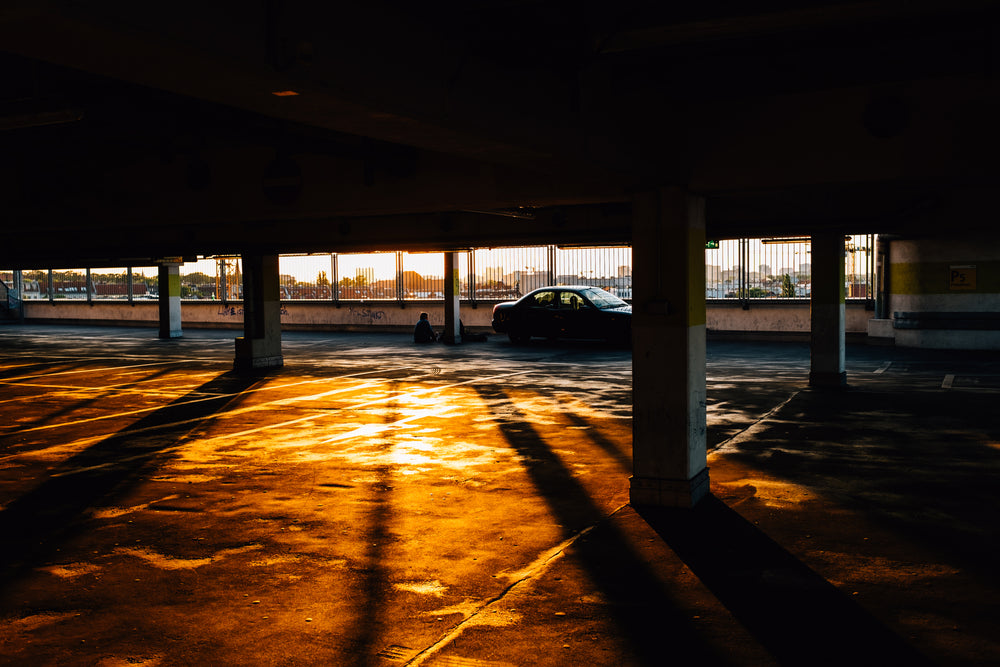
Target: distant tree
(359,281)
(199,278)
(787,286)
(322,280)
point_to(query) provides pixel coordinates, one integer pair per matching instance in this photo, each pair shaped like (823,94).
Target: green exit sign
(711,245)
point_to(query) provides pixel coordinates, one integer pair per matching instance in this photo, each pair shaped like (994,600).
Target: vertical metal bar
(471,268)
(86,286)
(222,271)
(129,290)
(18,278)
(870,256)
(552,264)
(335,281)
(744,274)
(400,290)
(52,296)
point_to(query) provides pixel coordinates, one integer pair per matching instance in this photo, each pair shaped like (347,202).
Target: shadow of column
(37,523)
(796,614)
(651,618)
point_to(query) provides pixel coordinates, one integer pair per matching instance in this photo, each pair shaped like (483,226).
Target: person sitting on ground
(423,333)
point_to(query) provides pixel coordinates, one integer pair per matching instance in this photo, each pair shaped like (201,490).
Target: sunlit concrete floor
(375,502)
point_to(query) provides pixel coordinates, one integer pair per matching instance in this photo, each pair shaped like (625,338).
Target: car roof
(564,287)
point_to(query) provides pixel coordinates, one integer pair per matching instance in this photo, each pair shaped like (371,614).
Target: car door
(575,317)
(540,313)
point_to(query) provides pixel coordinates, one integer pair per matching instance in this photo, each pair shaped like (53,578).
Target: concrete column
(945,291)
(668,349)
(827,312)
(169,282)
(452,295)
(260,345)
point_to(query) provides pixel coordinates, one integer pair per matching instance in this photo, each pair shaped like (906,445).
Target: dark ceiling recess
(282,180)
(784,115)
(887,116)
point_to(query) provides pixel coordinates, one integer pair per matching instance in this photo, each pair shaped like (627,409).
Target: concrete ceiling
(130,130)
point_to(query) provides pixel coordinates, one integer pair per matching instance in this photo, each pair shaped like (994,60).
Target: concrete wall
(764,317)
(294,314)
(759,318)
(945,285)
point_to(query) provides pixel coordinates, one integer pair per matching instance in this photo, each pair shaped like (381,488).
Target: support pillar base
(680,493)
(250,356)
(827,380)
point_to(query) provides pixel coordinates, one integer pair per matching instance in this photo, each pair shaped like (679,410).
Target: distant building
(118,289)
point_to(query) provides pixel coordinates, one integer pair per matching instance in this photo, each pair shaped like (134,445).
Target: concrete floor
(380,503)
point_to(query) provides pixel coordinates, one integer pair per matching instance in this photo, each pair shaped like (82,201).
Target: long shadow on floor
(646,612)
(797,615)
(36,524)
(919,462)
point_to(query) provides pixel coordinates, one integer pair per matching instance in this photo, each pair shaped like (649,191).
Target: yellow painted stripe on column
(174,284)
(935,277)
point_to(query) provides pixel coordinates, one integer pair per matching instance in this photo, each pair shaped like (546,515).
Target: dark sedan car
(565,312)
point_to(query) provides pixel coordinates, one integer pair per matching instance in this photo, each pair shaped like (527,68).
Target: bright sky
(580,261)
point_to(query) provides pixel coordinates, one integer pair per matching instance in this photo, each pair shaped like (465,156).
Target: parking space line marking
(522,578)
(82,442)
(883,368)
(753,429)
(228,436)
(85,370)
(154,408)
(948,381)
(366,404)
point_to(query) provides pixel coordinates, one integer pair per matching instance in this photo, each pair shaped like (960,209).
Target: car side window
(545,300)
(571,301)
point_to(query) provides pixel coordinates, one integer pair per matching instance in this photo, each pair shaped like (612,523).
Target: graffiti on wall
(233,311)
(372,316)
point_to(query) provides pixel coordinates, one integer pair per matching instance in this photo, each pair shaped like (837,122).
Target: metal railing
(737,270)
(11,304)
(748,270)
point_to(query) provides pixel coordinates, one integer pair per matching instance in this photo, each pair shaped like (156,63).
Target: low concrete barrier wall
(784,317)
(769,318)
(319,315)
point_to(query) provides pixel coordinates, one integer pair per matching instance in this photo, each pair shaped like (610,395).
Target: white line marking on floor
(531,571)
(85,370)
(884,367)
(83,442)
(291,422)
(753,429)
(210,397)
(377,401)
(948,381)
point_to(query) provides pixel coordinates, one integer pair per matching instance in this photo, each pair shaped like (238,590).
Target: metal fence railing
(780,268)
(742,270)
(11,303)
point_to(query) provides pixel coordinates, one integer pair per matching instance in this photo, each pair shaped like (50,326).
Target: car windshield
(602,299)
